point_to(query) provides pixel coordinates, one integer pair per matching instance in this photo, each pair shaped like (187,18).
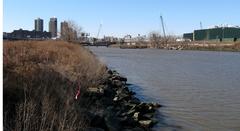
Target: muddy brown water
(200,90)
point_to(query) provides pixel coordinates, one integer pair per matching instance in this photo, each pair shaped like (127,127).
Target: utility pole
(201,27)
(223,35)
(164,33)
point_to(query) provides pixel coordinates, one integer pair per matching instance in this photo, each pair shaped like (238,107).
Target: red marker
(78,92)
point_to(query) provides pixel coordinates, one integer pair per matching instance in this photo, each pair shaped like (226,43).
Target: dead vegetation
(70,31)
(211,46)
(170,42)
(40,81)
(158,41)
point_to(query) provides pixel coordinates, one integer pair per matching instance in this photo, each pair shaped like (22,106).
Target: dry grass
(212,46)
(40,82)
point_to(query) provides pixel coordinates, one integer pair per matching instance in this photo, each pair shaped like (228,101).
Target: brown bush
(40,82)
(158,41)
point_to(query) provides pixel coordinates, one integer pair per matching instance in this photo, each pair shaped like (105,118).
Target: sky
(122,17)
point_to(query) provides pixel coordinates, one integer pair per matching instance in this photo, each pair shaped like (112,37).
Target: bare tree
(70,31)
(155,39)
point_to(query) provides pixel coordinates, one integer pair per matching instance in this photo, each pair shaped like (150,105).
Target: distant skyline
(122,17)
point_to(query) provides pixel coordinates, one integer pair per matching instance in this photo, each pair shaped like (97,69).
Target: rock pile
(121,110)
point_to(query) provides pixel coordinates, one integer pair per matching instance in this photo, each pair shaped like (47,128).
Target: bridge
(104,43)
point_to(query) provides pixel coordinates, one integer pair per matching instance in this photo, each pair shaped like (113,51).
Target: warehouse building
(215,34)
(26,34)
(188,36)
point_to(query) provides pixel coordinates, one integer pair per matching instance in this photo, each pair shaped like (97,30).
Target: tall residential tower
(53,26)
(38,24)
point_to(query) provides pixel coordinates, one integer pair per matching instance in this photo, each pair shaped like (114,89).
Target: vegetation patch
(41,79)
(59,86)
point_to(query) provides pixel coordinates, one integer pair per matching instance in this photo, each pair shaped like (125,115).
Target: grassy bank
(41,79)
(232,47)
(194,45)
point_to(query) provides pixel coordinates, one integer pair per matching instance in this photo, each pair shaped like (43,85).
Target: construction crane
(99,29)
(164,33)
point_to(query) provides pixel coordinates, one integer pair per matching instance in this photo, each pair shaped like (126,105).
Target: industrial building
(188,36)
(215,34)
(38,24)
(38,33)
(26,34)
(53,26)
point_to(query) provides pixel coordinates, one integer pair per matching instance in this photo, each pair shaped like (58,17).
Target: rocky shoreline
(115,108)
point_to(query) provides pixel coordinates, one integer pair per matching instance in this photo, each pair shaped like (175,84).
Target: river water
(200,90)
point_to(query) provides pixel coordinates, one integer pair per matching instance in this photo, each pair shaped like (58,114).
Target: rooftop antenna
(164,33)
(201,27)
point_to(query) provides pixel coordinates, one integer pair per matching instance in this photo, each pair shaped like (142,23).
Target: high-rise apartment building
(38,24)
(53,26)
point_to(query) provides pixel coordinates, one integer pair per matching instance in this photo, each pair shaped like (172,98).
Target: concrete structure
(129,40)
(53,26)
(38,24)
(110,39)
(215,34)
(188,36)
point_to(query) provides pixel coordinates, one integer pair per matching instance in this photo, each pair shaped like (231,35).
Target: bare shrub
(40,82)
(155,39)
(70,31)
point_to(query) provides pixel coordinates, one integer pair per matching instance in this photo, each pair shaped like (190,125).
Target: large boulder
(145,108)
(146,123)
(134,100)
(117,83)
(136,116)
(127,121)
(98,122)
(112,123)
